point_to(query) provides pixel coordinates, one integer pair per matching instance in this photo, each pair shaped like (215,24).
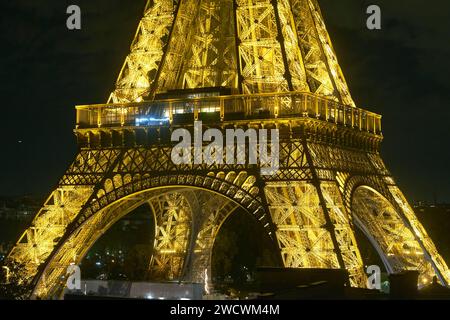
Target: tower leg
(49,224)
(173,219)
(215,210)
(303,238)
(187,224)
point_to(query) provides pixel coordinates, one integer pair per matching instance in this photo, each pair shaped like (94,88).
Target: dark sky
(401,72)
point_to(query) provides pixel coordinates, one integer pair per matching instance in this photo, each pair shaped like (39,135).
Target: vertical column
(214,210)
(260,53)
(300,222)
(337,218)
(173,226)
(147,49)
(345,236)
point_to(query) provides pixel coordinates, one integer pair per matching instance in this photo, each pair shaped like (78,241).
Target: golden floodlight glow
(234,64)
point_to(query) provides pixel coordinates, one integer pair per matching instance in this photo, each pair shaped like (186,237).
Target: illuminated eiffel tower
(232,64)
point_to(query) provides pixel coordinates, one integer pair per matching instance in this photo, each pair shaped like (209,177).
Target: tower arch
(188,233)
(390,233)
(280,59)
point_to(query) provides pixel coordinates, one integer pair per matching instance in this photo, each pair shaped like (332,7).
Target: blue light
(150,121)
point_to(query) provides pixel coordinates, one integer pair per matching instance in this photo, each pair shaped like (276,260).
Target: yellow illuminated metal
(276,57)
(192,43)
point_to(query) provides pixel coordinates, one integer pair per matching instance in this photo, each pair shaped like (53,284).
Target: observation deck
(225,109)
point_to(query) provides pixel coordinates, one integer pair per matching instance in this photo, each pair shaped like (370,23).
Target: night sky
(401,72)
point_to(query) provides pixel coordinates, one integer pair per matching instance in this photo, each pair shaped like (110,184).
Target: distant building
(423,206)
(18,208)
(15,213)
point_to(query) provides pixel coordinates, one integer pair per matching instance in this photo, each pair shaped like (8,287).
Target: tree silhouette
(12,286)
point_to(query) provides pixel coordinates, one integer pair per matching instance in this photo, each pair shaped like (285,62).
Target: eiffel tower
(232,64)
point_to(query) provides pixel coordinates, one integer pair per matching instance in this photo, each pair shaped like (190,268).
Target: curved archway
(389,234)
(201,230)
(239,186)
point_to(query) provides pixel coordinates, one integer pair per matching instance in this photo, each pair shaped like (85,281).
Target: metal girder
(184,237)
(323,71)
(296,211)
(426,244)
(213,211)
(75,246)
(331,176)
(210,58)
(48,226)
(173,224)
(261,59)
(77,214)
(255,46)
(178,45)
(394,239)
(344,233)
(147,49)
(304,239)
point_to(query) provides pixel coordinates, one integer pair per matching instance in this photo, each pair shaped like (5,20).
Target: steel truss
(309,207)
(252,46)
(331,177)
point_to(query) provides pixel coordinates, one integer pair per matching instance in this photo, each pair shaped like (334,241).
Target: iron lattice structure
(276,60)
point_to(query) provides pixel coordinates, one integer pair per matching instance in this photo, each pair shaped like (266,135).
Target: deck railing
(231,107)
